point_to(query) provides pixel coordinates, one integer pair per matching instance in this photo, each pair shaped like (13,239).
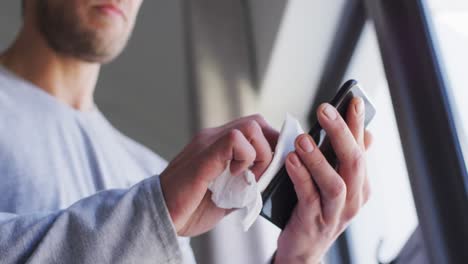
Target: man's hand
(245,143)
(327,199)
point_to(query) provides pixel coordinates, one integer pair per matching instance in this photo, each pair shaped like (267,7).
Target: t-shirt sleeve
(113,226)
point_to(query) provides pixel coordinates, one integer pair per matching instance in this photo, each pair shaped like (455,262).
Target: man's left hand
(327,198)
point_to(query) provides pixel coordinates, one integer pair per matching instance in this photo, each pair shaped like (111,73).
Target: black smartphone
(279,197)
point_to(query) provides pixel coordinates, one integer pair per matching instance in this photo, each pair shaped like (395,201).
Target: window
(450,29)
(390,217)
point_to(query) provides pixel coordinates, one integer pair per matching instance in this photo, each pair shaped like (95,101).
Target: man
(67,174)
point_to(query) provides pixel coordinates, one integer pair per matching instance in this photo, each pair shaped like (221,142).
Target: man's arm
(114,226)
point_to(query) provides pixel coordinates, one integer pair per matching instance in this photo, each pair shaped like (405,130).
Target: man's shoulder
(18,97)
(8,99)
(13,110)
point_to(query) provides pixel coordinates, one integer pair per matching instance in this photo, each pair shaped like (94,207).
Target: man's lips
(111,9)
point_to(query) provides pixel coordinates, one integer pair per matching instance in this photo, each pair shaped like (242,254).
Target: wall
(144,92)
(10,19)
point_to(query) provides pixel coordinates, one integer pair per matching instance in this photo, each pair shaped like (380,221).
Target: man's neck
(68,79)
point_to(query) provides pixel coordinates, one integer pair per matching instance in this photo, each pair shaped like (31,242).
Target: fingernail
(359,106)
(295,160)
(330,112)
(306,145)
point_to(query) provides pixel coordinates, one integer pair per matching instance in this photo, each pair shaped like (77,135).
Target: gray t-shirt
(75,190)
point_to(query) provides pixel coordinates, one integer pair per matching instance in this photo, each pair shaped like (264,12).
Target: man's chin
(104,50)
(98,52)
(98,58)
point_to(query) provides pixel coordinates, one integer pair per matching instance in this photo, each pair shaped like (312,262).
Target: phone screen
(279,198)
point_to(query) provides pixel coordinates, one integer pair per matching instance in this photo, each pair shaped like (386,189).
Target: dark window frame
(431,147)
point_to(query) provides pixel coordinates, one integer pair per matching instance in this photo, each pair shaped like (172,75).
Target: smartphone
(279,197)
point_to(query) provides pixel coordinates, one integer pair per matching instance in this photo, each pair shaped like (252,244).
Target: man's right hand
(245,143)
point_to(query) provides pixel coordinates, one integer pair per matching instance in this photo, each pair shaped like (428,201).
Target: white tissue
(244,192)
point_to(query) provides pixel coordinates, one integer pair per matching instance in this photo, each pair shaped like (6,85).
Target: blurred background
(201,63)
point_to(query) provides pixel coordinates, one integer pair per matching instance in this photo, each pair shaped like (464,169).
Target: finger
(337,130)
(301,178)
(242,154)
(350,154)
(233,147)
(269,132)
(366,191)
(254,134)
(208,136)
(357,193)
(355,119)
(368,139)
(331,186)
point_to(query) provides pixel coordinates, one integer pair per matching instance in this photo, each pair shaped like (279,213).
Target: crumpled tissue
(244,192)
